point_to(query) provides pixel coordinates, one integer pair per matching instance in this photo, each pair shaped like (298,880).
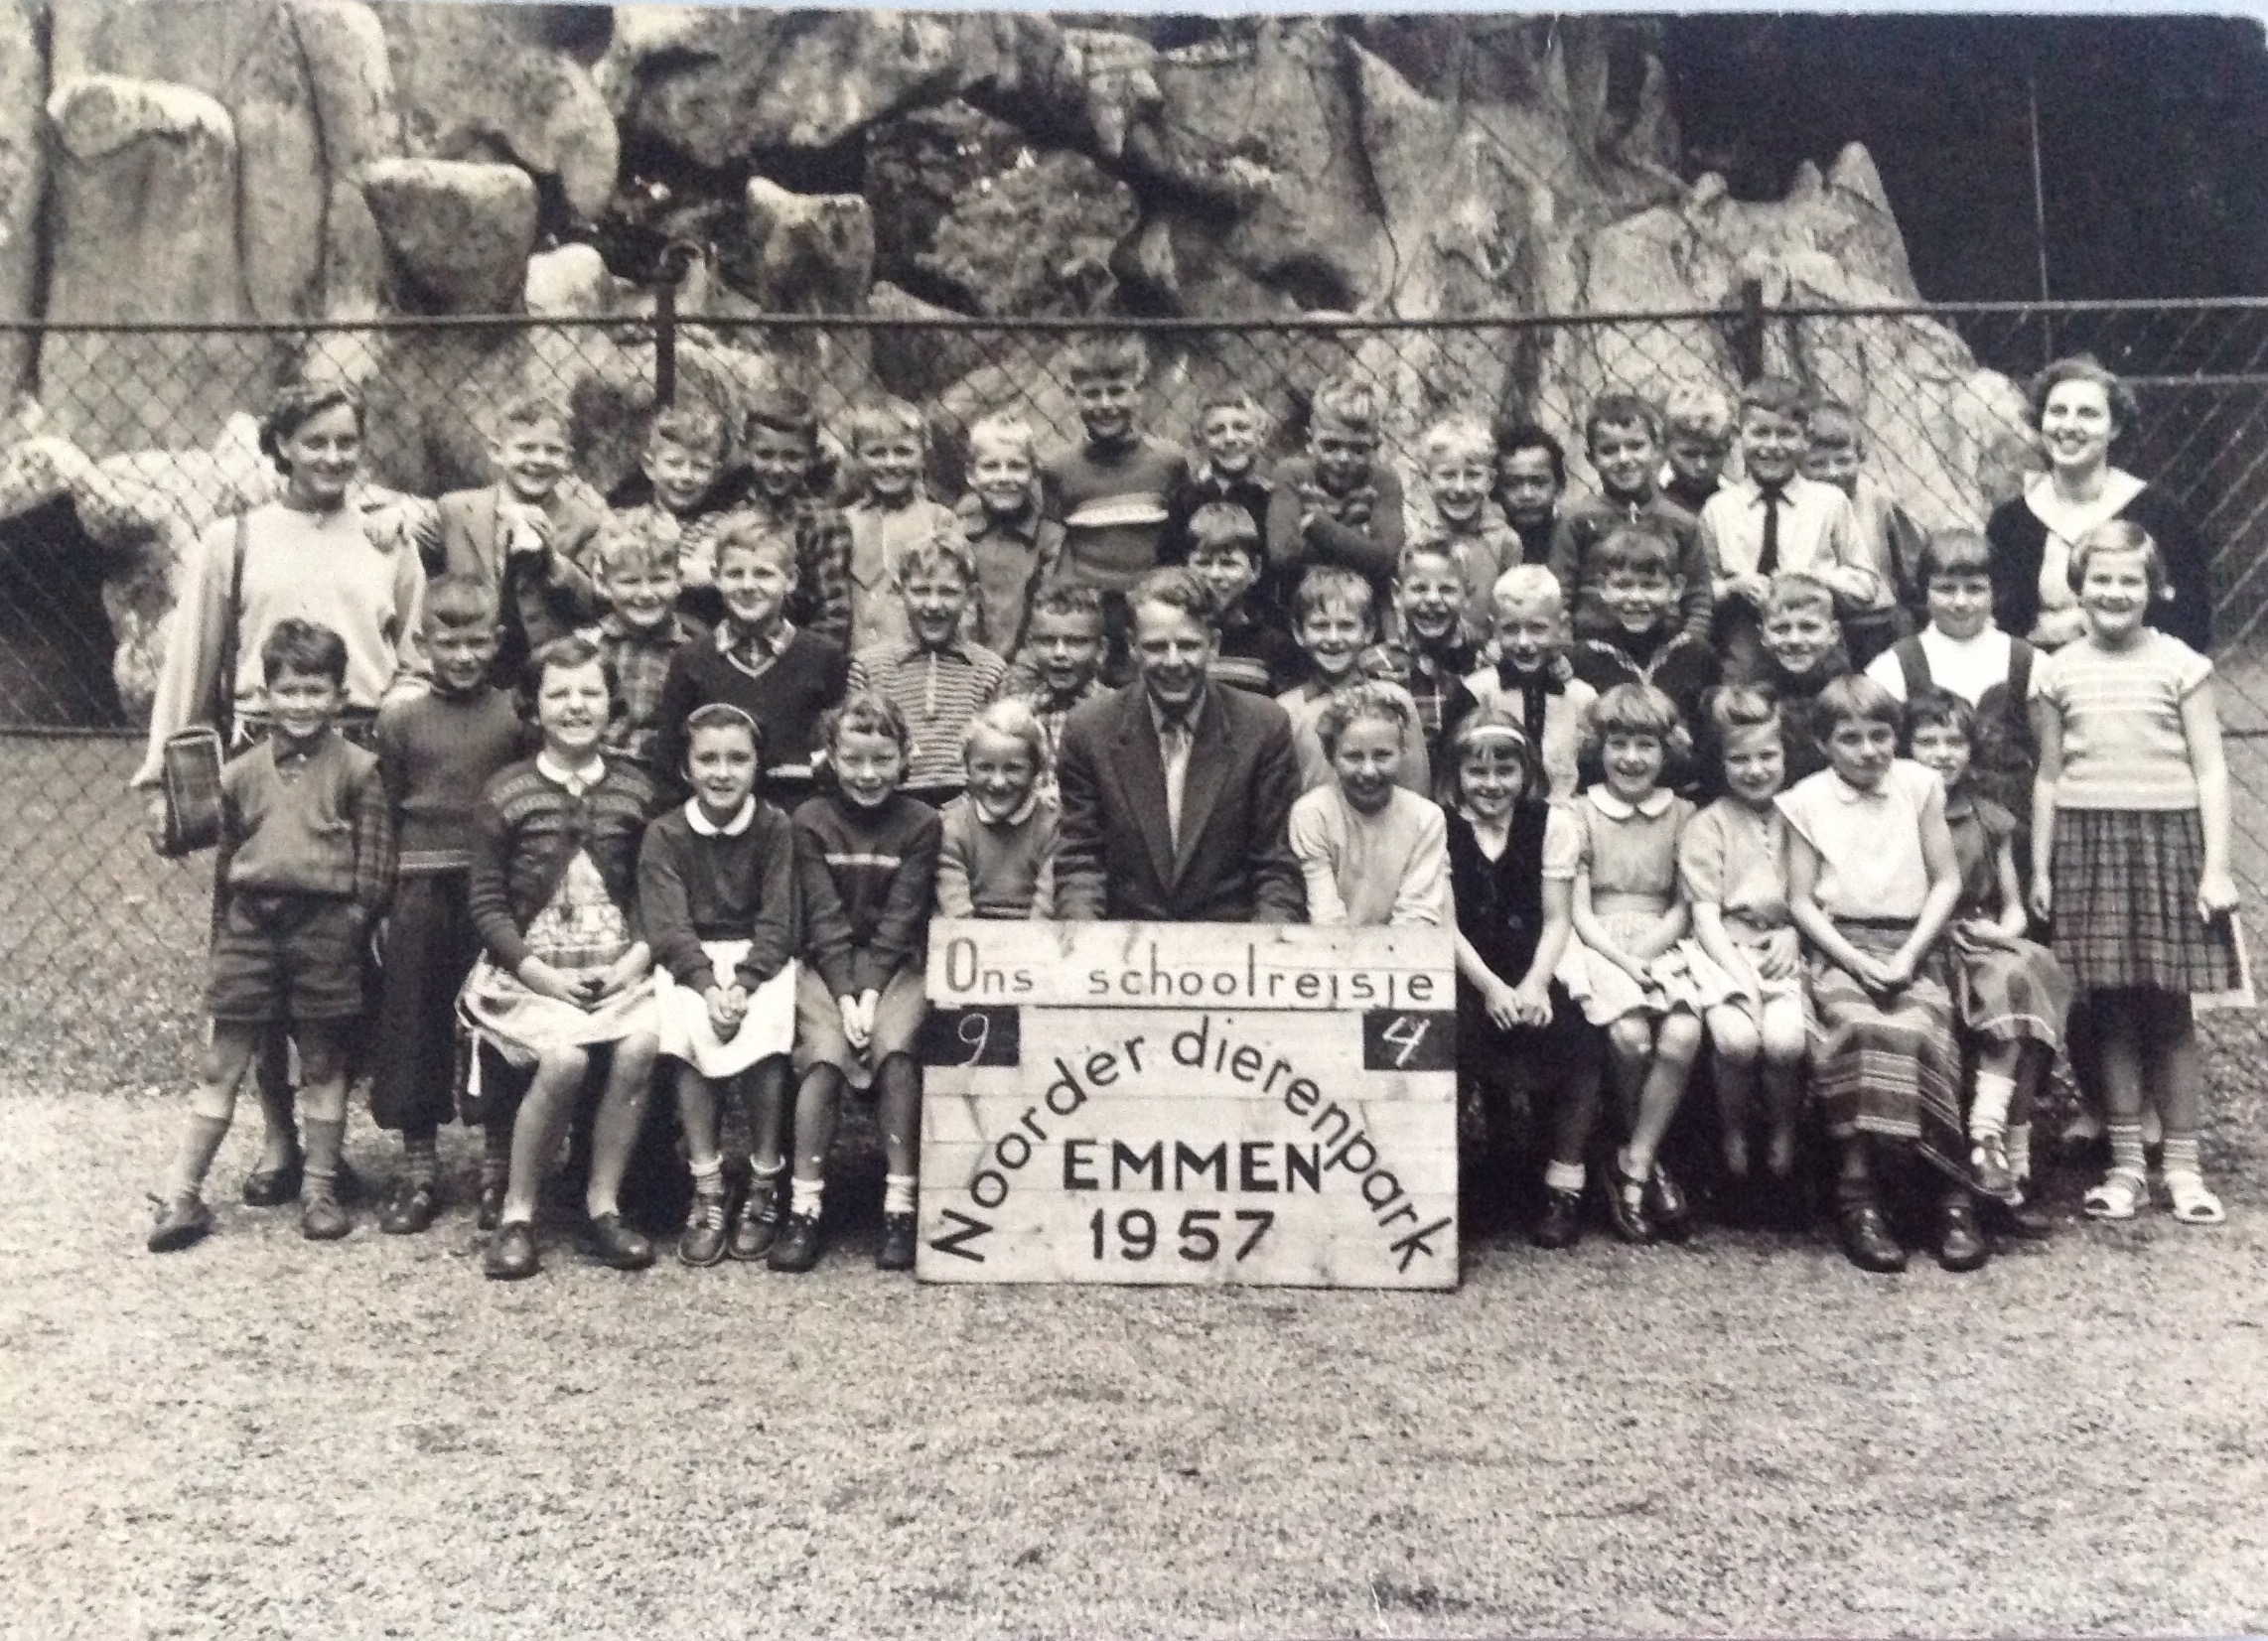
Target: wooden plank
(1212,965)
(1294,1242)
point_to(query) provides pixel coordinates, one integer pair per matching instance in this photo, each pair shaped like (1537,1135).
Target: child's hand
(2058,627)
(623,973)
(1777,958)
(2216,895)
(1750,589)
(725,1013)
(1894,974)
(868,1003)
(1504,1005)
(543,980)
(2043,897)
(1532,1003)
(854,1023)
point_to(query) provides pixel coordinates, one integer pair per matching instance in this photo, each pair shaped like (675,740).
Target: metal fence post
(670,269)
(1748,330)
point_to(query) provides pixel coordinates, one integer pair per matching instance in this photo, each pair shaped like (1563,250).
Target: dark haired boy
(1255,652)
(1647,642)
(307,862)
(780,453)
(1624,435)
(1532,476)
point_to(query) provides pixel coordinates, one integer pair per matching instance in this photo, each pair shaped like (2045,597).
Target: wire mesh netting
(138,439)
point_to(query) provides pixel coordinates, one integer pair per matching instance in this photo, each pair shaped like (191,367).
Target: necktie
(1767,558)
(1174,753)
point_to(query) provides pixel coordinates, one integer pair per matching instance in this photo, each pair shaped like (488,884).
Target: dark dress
(1499,910)
(2020,543)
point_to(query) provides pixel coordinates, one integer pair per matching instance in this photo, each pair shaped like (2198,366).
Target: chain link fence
(141,437)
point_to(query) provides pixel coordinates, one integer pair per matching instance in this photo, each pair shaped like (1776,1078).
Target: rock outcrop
(23,181)
(458,233)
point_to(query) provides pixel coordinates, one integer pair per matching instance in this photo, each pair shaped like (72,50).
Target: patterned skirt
(1740,986)
(2009,990)
(1890,1070)
(2126,903)
(581,932)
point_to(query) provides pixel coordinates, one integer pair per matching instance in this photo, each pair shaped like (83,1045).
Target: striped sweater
(868,876)
(939,691)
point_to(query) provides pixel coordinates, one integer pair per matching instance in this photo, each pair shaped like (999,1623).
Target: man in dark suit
(1176,793)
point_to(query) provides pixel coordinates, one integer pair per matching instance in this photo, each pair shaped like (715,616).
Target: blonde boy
(1335,618)
(1532,674)
(937,678)
(1455,509)
(637,575)
(684,452)
(1010,540)
(1337,505)
(890,445)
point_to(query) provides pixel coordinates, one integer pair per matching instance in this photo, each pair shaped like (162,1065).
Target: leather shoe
(797,1248)
(756,1224)
(321,1219)
(2023,1220)
(703,1243)
(1868,1243)
(181,1221)
(410,1210)
(614,1244)
(1668,1206)
(512,1253)
(273,1187)
(1626,1204)
(1960,1245)
(1562,1223)
(897,1239)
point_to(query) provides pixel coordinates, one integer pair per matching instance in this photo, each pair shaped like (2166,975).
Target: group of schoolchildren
(1734,773)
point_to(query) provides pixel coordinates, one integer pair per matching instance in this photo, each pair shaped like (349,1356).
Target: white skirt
(768,1029)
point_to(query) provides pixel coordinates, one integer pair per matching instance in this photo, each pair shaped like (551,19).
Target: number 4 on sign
(1404,1039)
(1405,1033)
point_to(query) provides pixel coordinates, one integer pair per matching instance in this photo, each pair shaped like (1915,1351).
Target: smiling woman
(2081,409)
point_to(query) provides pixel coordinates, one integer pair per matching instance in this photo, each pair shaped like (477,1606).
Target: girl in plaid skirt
(2010,993)
(2130,857)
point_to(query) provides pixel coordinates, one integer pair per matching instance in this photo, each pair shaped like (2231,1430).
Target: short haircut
(1105,353)
(1698,412)
(2084,368)
(1457,439)
(1011,715)
(525,411)
(1327,585)
(460,602)
(1737,709)
(1528,583)
(723,714)
(624,547)
(1345,400)
(1076,602)
(1637,547)
(783,410)
(1633,710)
(1621,409)
(1496,722)
(1384,703)
(1948,552)
(1833,423)
(565,654)
(692,428)
(1220,525)
(945,549)
(1856,698)
(1230,396)
(298,403)
(2118,535)
(1005,430)
(1521,436)
(1440,548)
(1942,709)
(746,532)
(888,418)
(1777,396)
(1178,587)
(1799,589)
(308,649)
(865,713)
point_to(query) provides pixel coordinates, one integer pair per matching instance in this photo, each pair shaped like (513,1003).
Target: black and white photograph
(998,823)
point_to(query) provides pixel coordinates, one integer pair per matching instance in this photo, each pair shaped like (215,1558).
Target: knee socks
(421,1151)
(199,1144)
(495,1154)
(323,1141)
(1988,1113)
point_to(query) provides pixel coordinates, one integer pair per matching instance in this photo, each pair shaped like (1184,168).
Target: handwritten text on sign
(1191,1103)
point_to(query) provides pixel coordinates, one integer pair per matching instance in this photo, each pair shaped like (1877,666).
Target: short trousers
(820,1039)
(282,959)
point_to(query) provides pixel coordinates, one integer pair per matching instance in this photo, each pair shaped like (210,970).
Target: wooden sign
(1189,1103)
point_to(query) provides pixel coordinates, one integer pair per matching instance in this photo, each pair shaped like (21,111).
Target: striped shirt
(2124,747)
(867,878)
(939,691)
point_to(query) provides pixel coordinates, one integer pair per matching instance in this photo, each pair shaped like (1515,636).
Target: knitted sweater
(787,698)
(997,869)
(435,755)
(527,827)
(737,882)
(306,824)
(867,875)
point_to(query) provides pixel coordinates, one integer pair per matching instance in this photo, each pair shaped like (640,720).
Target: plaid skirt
(2126,903)
(1890,1070)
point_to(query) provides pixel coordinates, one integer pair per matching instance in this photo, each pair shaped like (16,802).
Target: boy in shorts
(306,863)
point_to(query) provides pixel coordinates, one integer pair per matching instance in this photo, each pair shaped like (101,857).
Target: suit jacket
(1115,858)
(541,597)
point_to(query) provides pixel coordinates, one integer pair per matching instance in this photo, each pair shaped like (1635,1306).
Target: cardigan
(2019,539)
(527,828)
(697,883)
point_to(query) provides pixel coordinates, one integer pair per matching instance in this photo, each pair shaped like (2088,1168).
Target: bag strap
(233,617)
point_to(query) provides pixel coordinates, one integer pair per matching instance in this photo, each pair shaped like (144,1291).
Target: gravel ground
(263,1438)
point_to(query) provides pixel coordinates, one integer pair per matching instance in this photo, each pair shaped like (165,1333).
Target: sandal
(2194,1204)
(2121,1196)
